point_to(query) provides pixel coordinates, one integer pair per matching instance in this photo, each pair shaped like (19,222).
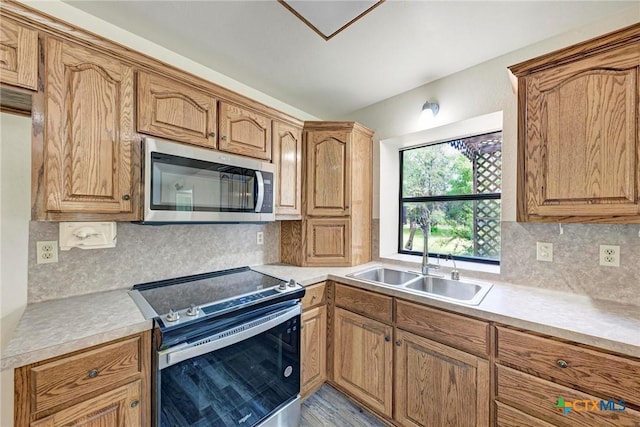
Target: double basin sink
(459,291)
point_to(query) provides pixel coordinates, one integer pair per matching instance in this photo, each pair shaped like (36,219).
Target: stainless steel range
(227,349)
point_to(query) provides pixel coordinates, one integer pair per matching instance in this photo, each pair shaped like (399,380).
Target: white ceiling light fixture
(430,109)
(328,18)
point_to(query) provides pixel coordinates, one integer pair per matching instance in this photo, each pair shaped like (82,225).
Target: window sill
(461,265)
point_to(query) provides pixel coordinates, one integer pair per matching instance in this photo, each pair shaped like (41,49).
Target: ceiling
(398,46)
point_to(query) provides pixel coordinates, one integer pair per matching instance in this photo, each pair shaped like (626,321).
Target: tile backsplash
(146,253)
(576,259)
(575,267)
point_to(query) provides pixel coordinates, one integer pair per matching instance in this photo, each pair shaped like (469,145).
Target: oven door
(242,376)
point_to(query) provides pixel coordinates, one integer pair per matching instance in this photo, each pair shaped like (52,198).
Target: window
(454,186)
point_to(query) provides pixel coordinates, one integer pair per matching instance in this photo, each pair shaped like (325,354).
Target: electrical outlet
(46,252)
(544,251)
(260,237)
(610,255)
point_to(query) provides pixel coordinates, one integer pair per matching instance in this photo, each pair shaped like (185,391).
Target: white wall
(15,200)
(473,92)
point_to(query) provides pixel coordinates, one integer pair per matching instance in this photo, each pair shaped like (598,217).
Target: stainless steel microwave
(189,184)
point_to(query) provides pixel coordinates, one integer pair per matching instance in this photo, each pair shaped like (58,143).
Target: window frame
(441,198)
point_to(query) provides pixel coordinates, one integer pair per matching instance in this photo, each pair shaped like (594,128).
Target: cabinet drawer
(456,331)
(315,295)
(510,417)
(541,398)
(70,377)
(370,304)
(586,369)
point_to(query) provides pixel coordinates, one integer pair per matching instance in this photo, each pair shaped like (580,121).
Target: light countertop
(56,327)
(52,328)
(608,325)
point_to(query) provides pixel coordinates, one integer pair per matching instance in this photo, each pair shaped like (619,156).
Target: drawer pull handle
(562,364)
(223,137)
(212,134)
(126,197)
(398,343)
(387,339)
(313,297)
(134,403)
(93,373)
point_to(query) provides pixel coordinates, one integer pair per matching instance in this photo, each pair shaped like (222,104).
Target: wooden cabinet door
(582,152)
(362,359)
(244,132)
(313,350)
(18,55)
(328,241)
(287,156)
(328,173)
(118,407)
(89,132)
(175,111)
(436,385)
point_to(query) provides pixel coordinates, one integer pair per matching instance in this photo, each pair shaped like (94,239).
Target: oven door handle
(226,338)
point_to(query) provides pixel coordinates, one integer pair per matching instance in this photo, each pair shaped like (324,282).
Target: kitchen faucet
(425,253)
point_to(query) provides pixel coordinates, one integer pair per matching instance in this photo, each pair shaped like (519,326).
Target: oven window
(238,385)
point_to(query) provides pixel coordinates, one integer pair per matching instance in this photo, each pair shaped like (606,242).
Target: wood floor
(327,407)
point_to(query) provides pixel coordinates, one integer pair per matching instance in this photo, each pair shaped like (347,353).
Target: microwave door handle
(261,325)
(260,192)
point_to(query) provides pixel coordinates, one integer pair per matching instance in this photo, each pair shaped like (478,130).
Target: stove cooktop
(185,299)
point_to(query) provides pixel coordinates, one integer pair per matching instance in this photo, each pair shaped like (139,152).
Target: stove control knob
(292,283)
(193,310)
(282,287)
(172,316)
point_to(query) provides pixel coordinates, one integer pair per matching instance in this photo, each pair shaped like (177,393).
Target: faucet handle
(455,274)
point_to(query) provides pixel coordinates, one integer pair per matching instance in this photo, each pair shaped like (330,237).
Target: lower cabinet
(313,336)
(436,385)
(105,385)
(363,359)
(426,377)
(313,349)
(563,384)
(118,407)
(448,370)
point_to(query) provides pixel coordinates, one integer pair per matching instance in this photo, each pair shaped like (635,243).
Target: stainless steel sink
(463,291)
(387,276)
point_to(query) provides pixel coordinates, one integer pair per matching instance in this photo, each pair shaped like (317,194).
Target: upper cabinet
(287,157)
(579,137)
(336,226)
(175,111)
(89,158)
(328,172)
(244,132)
(18,55)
